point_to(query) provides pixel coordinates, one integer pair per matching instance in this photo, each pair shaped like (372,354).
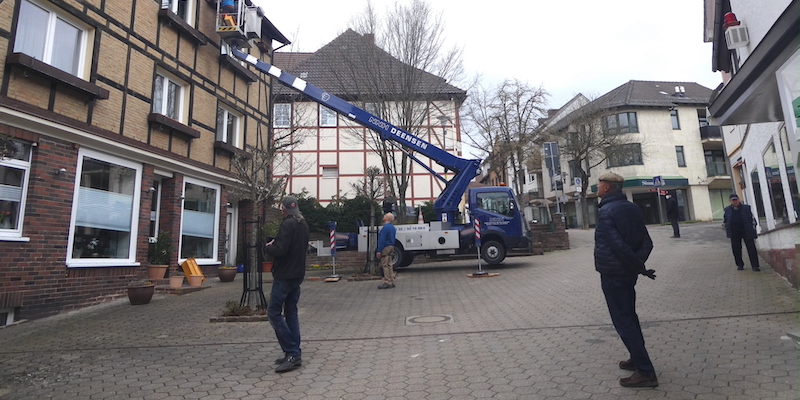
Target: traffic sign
(658,181)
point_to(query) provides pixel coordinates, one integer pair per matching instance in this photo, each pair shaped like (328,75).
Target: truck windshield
(498,203)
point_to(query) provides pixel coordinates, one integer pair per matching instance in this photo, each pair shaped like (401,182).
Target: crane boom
(446,205)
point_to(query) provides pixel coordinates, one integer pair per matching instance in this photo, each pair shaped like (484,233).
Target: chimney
(370,37)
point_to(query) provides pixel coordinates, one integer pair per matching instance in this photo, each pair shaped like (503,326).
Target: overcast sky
(568,47)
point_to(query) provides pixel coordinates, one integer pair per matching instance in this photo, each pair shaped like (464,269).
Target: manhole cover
(429,319)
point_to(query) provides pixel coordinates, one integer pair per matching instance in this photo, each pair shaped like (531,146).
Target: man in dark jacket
(740,225)
(672,215)
(622,245)
(288,271)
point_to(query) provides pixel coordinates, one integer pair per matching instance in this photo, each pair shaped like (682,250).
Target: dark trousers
(675,230)
(282,314)
(620,293)
(736,246)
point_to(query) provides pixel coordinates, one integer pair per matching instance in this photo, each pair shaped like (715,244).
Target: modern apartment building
(120,119)
(756,48)
(333,153)
(666,134)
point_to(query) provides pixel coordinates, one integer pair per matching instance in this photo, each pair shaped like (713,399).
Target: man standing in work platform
(288,271)
(622,245)
(385,250)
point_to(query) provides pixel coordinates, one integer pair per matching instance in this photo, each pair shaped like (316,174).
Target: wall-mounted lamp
(152,189)
(61,171)
(228,205)
(183,197)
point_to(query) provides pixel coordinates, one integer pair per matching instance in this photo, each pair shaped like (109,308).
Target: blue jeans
(282,314)
(620,295)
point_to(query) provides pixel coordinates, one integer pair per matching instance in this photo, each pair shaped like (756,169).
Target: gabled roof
(654,94)
(336,68)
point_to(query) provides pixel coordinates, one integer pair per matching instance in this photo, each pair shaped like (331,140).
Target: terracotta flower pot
(155,272)
(175,282)
(195,280)
(140,294)
(226,274)
(266,266)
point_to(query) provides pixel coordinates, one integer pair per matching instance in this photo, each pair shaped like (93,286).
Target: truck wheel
(397,257)
(406,260)
(493,252)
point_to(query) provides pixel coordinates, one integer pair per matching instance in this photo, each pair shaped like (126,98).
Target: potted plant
(226,273)
(268,232)
(159,254)
(140,291)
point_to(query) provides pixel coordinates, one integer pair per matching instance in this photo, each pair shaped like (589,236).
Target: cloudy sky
(568,47)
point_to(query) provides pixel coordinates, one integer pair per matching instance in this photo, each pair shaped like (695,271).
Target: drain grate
(429,319)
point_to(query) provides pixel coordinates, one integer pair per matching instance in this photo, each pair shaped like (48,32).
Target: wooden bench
(190,268)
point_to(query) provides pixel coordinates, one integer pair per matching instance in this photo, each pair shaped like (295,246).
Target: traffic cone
(420,221)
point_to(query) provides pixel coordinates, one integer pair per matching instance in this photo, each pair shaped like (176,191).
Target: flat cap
(611,177)
(733,196)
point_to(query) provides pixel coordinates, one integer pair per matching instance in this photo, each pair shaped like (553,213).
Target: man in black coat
(672,215)
(288,271)
(740,225)
(622,245)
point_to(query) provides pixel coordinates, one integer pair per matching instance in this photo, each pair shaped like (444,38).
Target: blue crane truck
(501,222)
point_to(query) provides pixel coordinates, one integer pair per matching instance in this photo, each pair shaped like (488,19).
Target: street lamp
(443,120)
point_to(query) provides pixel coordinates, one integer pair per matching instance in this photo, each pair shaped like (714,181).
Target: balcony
(717,169)
(711,137)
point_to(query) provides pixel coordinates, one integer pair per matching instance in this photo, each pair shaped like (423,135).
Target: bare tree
(397,72)
(504,123)
(590,136)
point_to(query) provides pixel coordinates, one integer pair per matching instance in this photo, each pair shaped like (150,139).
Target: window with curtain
(105,212)
(181,8)
(200,216)
(49,35)
(14,175)
(167,97)
(282,115)
(327,117)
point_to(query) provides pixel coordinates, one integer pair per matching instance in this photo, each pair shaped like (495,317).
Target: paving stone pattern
(539,330)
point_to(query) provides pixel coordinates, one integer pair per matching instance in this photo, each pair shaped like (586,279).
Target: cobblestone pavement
(539,330)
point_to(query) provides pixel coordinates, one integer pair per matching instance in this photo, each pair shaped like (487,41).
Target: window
(168,97)
(673,116)
(498,203)
(14,175)
(626,154)
(181,8)
(227,126)
(680,155)
(200,221)
(327,117)
(716,165)
(53,38)
(574,171)
(621,123)
(105,212)
(330,172)
(702,117)
(282,115)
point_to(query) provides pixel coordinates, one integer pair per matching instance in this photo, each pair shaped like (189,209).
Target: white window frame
(165,81)
(172,5)
(134,223)
(49,45)
(25,166)
(215,250)
(223,135)
(327,117)
(282,122)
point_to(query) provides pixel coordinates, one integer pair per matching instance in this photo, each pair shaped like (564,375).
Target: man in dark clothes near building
(740,225)
(672,215)
(622,245)
(288,271)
